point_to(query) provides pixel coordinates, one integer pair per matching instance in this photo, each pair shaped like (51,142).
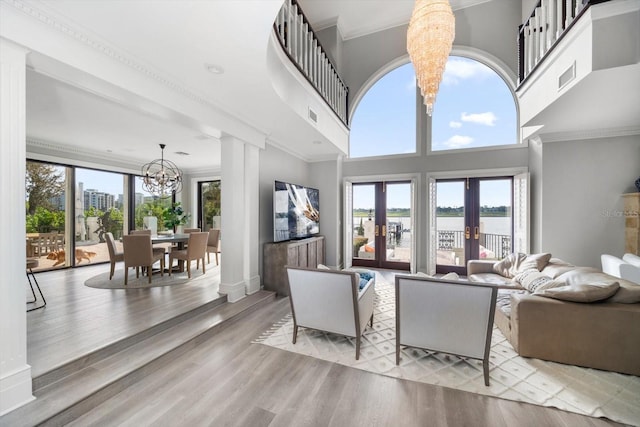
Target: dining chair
(139,253)
(191,230)
(213,244)
(114,254)
(156,248)
(196,248)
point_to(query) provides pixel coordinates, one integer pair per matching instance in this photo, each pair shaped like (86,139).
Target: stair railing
(301,45)
(547,25)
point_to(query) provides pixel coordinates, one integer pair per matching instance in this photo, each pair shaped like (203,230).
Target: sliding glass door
(208,205)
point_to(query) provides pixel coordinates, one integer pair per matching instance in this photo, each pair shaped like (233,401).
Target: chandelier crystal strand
(161,177)
(429,41)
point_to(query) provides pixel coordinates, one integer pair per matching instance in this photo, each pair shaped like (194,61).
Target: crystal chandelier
(429,40)
(161,177)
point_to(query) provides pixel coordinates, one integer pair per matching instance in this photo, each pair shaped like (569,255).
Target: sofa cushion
(629,293)
(556,267)
(519,262)
(535,281)
(584,292)
(494,279)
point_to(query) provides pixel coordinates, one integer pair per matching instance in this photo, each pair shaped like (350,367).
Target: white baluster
(559,4)
(542,26)
(535,36)
(578,7)
(569,11)
(526,50)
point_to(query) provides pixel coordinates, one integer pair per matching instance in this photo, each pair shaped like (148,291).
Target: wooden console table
(632,223)
(299,253)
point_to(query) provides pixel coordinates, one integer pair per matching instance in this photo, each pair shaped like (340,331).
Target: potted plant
(175,216)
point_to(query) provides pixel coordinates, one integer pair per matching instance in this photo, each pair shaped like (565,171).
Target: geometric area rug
(584,391)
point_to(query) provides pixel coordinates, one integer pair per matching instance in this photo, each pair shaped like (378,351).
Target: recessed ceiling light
(181,153)
(317,142)
(214,69)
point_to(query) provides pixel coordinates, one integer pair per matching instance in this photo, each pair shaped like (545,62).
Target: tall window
(384,122)
(474,108)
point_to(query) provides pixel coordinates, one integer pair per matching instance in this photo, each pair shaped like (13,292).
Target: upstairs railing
(303,48)
(548,23)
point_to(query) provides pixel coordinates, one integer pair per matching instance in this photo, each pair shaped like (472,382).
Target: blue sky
(474,108)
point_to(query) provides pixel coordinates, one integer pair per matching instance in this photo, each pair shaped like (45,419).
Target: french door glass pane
(364,218)
(99,209)
(450,223)
(399,226)
(495,218)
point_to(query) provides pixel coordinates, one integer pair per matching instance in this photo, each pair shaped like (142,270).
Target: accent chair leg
(208,258)
(485,368)
(203,270)
(295,333)
(30,272)
(113,269)
(149,273)
(217,263)
(371,320)
(170,264)
(189,269)
(357,348)
(397,354)
(126,275)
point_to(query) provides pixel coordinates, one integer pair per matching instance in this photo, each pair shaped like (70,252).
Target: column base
(253,285)
(15,390)
(234,291)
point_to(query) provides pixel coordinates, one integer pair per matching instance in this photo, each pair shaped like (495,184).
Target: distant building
(98,199)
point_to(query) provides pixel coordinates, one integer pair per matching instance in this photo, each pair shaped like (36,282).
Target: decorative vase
(638,183)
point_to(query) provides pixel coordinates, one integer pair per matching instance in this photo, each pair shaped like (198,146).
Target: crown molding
(588,134)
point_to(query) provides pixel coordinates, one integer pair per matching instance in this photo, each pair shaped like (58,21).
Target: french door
(474,220)
(208,205)
(381,224)
(477,218)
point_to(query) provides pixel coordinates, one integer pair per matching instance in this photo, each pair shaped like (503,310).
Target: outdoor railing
(499,244)
(547,25)
(303,48)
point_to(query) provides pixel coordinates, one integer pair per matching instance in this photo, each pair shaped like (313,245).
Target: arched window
(474,108)
(384,122)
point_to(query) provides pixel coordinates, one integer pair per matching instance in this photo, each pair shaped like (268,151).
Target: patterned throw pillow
(535,282)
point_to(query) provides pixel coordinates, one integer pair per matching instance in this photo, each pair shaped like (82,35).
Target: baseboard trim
(15,389)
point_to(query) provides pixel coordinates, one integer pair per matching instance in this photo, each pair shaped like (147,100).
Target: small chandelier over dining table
(429,40)
(161,177)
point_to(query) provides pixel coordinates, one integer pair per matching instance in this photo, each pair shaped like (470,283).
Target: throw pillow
(322,267)
(534,281)
(509,265)
(450,276)
(537,261)
(585,292)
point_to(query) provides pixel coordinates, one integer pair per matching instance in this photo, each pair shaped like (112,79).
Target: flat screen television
(296,211)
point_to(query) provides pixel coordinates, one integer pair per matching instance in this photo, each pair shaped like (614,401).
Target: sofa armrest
(611,264)
(477,266)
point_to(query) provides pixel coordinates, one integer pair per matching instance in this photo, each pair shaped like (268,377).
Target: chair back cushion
(137,250)
(197,245)
(111,245)
(214,237)
(452,317)
(191,230)
(144,232)
(324,299)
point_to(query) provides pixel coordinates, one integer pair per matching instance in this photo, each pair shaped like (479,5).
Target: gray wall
(582,183)
(275,164)
(327,177)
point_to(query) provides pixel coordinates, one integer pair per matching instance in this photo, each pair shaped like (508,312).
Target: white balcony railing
(303,48)
(548,23)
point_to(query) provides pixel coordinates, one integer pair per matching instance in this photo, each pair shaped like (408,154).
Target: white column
(252,218)
(15,373)
(233,219)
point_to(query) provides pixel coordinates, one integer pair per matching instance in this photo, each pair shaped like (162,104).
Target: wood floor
(227,381)
(79,319)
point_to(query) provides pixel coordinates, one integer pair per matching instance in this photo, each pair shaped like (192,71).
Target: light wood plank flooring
(227,381)
(79,319)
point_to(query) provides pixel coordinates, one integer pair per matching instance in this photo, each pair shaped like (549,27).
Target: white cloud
(455,125)
(458,141)
(461,69)
(487,119)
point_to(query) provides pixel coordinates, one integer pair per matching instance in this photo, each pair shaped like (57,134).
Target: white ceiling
(357,18)
(173,40)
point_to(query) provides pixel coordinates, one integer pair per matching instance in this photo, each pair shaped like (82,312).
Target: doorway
(382,224)
(208,205)
(474,220)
